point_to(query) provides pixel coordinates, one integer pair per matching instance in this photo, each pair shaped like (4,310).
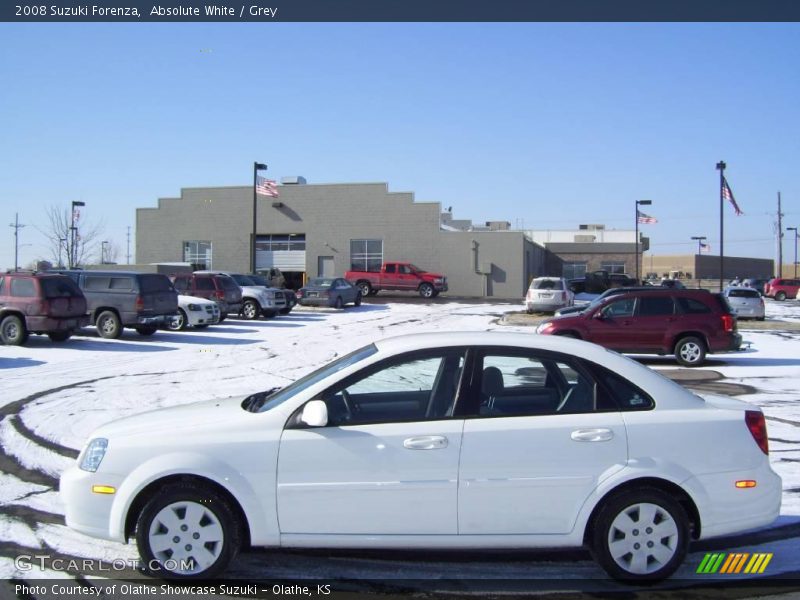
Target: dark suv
(39,303)
(213,286)
(686,323)
(118,299)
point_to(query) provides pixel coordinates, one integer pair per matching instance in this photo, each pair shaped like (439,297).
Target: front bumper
(86,511)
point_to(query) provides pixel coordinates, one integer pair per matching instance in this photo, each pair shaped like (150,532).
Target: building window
(366,255)
(613,267)
(281,242)
(574,270)
(198,254)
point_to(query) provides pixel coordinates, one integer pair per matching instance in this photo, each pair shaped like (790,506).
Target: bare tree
(68,246)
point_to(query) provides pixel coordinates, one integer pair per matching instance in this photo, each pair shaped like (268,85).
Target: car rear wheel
(640,536)
(109,325)
(426,290)
(251,310)
(178,323)
(690,351)
(13,331)
(187,532)
(222,317)
(60,336)
(365,287)
(780,296)
(357,301)
(339,302)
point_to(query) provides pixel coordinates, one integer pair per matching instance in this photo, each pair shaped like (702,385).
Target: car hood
(193,300)
(177,420)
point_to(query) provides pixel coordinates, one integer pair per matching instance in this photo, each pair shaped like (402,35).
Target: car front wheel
(187,532)
(690,351)
(178,323)
(13,331)
(426,290)
(365,287)
(641,536)
(251,310)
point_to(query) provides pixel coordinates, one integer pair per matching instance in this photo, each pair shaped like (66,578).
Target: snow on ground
(53,395)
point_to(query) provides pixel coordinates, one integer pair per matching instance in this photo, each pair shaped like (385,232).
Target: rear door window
(23,287)
(691,306)
(655,306)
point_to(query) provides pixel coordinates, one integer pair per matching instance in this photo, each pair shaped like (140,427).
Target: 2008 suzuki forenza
(452,440)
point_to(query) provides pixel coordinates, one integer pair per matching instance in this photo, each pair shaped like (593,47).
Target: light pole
(257,166)
(62,243)
(638,204)
(103,252)
(16,225)
(795,248)
(73,253)
(700,239)
(721,168)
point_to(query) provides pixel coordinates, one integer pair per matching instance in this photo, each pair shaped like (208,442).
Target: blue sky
(539,124)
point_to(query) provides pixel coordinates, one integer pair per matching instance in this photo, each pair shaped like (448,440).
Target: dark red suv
(220,288)
(39,303)
(686,323)
(781,288)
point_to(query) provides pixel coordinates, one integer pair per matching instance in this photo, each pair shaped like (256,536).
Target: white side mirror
(315,414)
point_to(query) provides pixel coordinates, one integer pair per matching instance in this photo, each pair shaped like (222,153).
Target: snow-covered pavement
(53,395)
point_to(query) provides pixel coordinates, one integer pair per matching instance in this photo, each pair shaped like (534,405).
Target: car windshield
(547,284)
(322,282)
(243,279)
(259,280)
(265,401)
(743,294)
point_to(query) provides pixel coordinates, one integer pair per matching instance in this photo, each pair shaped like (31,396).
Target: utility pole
(780,238)
(17,226)
(129,246)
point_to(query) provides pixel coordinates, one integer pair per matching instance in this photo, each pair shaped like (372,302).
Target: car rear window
(154,283)
(743,294)
(59,287)
(547,284)
(228,284)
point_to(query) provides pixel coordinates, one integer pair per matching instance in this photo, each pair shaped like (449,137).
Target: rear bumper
(55,324)
(156,320)
(314,302)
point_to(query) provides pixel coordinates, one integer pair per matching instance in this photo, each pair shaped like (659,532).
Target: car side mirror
(315,414)
(599,315)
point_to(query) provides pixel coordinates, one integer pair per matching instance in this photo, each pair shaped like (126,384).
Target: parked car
(257,300)
(335,292)
(686,323)
(755,283)
(126,299)
(673,283)
(547,294)
(288,295)
(43,303)
(401,276)
(570,310)
(194,312)
(746,302)
(782,288)
(220,288)
(437,440)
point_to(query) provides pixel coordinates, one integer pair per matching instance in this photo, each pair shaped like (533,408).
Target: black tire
(655,522)
(286,311)
(146,330)
(13,331)
(108,325)
(270,314)
(201,326)
(759,318)
(178,323)
(426,290)
(222,317)
(251,309)
(62,335)
(365,287)
(165,515)
(780,296)
(339,303)
(690,351)
(357,301)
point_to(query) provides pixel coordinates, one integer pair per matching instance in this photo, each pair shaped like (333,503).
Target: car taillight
(219,294)
(139,303)
(728,323)
(298,294)
(757,425)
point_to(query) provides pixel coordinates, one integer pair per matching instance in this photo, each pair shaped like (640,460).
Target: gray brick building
(315,229)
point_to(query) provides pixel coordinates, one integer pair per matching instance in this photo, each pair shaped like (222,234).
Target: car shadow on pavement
(82,342)
(207,340)
(19,362)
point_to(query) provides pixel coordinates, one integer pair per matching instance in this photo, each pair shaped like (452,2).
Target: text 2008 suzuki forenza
(453,440)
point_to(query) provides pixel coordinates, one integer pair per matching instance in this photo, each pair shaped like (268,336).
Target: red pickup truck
(398,276)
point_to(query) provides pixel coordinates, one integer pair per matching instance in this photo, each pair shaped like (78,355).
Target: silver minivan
(548,294)
(746,302)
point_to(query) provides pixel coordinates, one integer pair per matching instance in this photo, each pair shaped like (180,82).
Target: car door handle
(592,435)
(426,442)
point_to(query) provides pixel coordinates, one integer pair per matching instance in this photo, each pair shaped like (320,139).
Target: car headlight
(544,327)
(194,307)
(93,454)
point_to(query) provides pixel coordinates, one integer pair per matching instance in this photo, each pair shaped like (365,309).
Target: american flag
(266,187)
(646,219)
(705,247)
(727,194)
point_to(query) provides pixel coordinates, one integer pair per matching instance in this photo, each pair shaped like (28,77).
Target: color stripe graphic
(735,562)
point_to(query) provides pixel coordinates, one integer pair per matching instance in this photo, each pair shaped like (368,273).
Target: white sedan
(194,312)
(449,440)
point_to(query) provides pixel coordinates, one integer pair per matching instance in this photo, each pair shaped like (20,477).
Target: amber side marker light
(745,483)
(107,489)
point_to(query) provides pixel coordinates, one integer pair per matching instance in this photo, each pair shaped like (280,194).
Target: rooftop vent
(293,180)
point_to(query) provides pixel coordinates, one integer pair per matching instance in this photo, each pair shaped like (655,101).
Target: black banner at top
(256,11)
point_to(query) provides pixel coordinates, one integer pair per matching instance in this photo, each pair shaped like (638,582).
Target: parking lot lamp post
(257,166)
(795,248)
(721,168)
(700,239)
(638,204)
(72,255)
(103,252)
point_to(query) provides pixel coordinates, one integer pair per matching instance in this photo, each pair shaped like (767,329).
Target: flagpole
(638,203)
(257,166)
(721,167)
